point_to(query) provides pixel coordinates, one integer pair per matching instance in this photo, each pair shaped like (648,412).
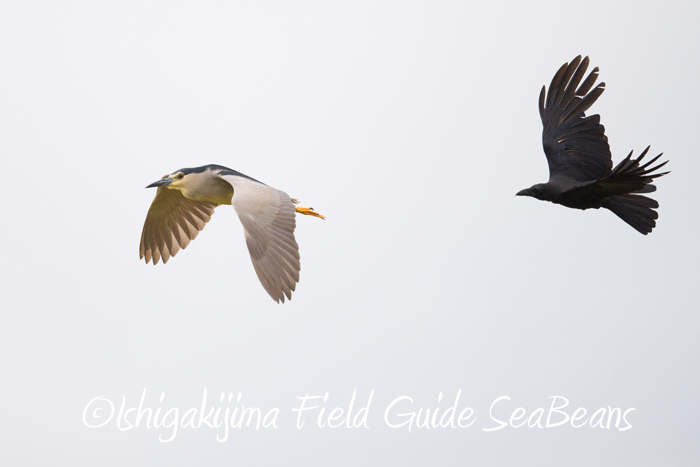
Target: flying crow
(580,164)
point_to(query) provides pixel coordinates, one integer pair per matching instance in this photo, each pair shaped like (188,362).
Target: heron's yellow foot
(309,212)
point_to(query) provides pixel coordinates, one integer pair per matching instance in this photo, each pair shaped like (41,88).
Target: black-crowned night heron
(580,164)
(185,202)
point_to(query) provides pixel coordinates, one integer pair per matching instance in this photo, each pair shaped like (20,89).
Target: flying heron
(185,202)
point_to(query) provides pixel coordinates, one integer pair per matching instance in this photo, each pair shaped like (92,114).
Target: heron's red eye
(180,176)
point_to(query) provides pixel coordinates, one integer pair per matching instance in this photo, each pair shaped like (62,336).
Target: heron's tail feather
(636,210)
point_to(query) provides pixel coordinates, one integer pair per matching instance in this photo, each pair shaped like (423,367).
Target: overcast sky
(411,126)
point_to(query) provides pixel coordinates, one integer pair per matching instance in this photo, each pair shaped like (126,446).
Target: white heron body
(208,186)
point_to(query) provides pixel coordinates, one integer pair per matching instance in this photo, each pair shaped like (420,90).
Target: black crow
(580,164)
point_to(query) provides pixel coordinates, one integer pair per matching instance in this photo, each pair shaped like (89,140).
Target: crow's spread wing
(575,145)
(173,221)
(629,176)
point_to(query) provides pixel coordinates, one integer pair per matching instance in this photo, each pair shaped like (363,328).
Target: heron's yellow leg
(309,212)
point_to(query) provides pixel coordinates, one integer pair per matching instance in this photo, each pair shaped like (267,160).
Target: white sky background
(411,125)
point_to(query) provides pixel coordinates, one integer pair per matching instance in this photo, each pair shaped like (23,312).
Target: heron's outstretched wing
(575,145)
(173,221)
(269,219)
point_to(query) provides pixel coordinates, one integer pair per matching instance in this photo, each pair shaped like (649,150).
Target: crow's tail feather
(636,210)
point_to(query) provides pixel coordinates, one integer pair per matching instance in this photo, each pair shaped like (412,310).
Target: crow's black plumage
(580,164)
